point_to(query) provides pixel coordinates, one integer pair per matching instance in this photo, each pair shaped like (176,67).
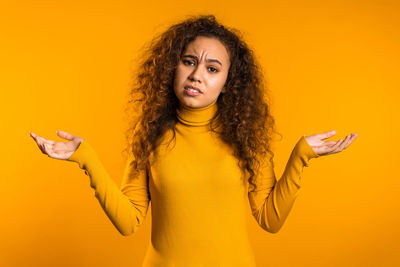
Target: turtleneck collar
(196,116)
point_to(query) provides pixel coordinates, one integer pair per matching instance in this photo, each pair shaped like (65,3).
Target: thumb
(326,135)
(65,135)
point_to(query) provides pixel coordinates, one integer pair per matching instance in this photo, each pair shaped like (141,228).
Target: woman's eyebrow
(208,60)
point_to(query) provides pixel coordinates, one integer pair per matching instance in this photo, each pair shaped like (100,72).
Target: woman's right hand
(58,150)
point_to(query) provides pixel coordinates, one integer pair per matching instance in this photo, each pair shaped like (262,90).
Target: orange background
(331,65)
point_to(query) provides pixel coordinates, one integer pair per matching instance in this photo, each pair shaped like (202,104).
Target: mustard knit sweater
(198,195)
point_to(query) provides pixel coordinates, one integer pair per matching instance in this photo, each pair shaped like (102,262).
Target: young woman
(198,150)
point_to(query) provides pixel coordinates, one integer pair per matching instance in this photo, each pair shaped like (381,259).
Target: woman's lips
(193,87)
(191,92)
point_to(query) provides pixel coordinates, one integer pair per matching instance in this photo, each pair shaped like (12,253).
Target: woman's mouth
(191,91)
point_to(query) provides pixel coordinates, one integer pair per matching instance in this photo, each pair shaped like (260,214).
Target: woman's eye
(187,61)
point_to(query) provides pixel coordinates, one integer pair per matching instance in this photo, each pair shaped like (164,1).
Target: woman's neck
(192,116)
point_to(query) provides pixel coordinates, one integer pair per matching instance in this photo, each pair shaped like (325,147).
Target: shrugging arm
(126,206)
(271,200)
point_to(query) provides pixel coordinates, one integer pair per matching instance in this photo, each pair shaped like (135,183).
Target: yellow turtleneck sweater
(198,195)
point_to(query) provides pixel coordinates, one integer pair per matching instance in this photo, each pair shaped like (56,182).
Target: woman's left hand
(329,147)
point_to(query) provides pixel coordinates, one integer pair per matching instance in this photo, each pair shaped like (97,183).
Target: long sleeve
(271,200)
(126,206)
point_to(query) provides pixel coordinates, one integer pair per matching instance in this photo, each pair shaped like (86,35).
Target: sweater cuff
(83,154)
(305,151)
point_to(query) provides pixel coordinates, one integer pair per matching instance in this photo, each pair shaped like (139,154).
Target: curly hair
(243,119)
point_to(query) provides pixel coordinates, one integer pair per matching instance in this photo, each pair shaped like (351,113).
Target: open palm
(329,147)
(58,150)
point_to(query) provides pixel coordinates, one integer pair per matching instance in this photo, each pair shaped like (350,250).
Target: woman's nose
(196,74)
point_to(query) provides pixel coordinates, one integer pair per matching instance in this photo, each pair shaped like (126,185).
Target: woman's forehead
(206,47)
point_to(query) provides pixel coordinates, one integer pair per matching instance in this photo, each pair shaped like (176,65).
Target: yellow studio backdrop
(331,65)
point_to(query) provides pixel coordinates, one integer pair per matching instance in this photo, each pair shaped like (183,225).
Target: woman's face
(204,65)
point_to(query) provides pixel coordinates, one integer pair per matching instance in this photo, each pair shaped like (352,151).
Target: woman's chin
(190,104)
(188,101)
(195,104)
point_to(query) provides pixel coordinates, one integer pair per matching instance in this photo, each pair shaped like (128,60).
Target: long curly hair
(243,119)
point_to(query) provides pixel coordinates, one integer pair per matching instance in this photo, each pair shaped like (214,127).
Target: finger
(352,137)
(65,135)
(349,140)
(326,135)
(51,142)
(39,142)
(47,141)
(330,143)
(34,136)
(44,145)
(335,148)
(344,144)
(40,145)
(42,140)
(47,148)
